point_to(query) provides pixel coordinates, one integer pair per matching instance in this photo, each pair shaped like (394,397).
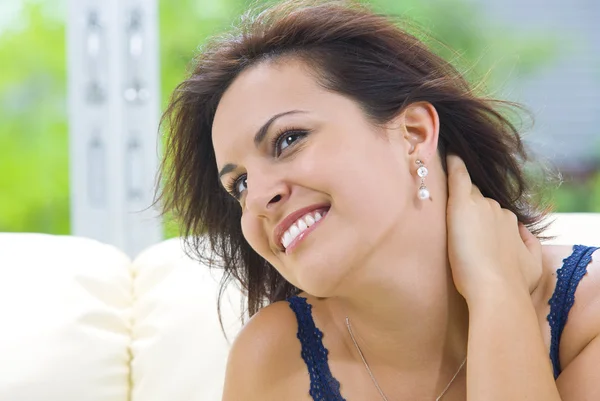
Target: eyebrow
(258,138)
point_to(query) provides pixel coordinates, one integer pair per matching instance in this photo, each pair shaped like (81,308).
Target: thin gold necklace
(439,397)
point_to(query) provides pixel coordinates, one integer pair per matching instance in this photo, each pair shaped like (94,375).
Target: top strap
(323,386)
(568,278)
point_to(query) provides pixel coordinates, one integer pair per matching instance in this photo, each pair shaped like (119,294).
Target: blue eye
(236,186)
(241,184)
(286,139)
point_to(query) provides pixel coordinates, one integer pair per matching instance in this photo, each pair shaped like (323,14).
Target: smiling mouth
(301,228)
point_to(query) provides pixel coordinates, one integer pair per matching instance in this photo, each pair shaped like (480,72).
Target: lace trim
(568,278)
(323,386)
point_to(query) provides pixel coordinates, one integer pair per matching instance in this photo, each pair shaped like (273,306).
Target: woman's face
(315,152)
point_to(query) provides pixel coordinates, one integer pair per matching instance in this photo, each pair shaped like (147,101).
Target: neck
(405,311)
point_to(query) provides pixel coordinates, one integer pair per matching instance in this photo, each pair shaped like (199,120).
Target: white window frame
(114,109)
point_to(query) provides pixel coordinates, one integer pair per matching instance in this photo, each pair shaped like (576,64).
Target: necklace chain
(439,397)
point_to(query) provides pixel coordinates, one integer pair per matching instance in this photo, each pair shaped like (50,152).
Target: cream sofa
(80,321)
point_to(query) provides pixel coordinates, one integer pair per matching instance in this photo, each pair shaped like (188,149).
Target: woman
(351,180)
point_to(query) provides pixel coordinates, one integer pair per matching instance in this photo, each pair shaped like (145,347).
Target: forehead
(259,93)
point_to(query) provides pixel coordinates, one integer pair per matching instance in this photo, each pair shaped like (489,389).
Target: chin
(322,276)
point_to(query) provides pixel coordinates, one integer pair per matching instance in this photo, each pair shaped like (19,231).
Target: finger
(510,215)
(475,191)
(531,242)
(494,203)
(459,181)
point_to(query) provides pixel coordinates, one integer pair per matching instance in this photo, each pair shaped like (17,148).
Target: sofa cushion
(65,313)
(575,228)
(179,351)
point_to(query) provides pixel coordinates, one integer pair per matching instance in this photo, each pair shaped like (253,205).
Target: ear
(419,125)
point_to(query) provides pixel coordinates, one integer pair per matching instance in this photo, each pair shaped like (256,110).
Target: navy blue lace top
(324,387)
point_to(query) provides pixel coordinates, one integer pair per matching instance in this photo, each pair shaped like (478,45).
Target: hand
(488,248)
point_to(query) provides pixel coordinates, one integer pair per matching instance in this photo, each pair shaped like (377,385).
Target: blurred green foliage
(34,188)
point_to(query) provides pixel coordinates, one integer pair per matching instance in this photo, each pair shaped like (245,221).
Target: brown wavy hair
(353,52)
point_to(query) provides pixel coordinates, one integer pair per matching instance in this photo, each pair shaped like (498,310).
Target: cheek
(373,185)
(255,236)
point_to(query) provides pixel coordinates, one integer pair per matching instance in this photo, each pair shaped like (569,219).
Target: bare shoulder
(264,362)
(583,323)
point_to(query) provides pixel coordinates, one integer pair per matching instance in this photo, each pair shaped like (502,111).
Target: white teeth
(302,225)
(309,220)
(286,240)
(294,230)
(298,227)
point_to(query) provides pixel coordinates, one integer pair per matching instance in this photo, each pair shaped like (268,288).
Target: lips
(290,219)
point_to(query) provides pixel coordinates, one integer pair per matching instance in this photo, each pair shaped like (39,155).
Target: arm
(496,263)
(507,356)
(261,363)
(242,380)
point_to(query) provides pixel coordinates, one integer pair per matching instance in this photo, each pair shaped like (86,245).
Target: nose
(265,192)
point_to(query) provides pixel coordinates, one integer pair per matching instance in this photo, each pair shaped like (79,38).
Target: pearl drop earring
(422,172)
